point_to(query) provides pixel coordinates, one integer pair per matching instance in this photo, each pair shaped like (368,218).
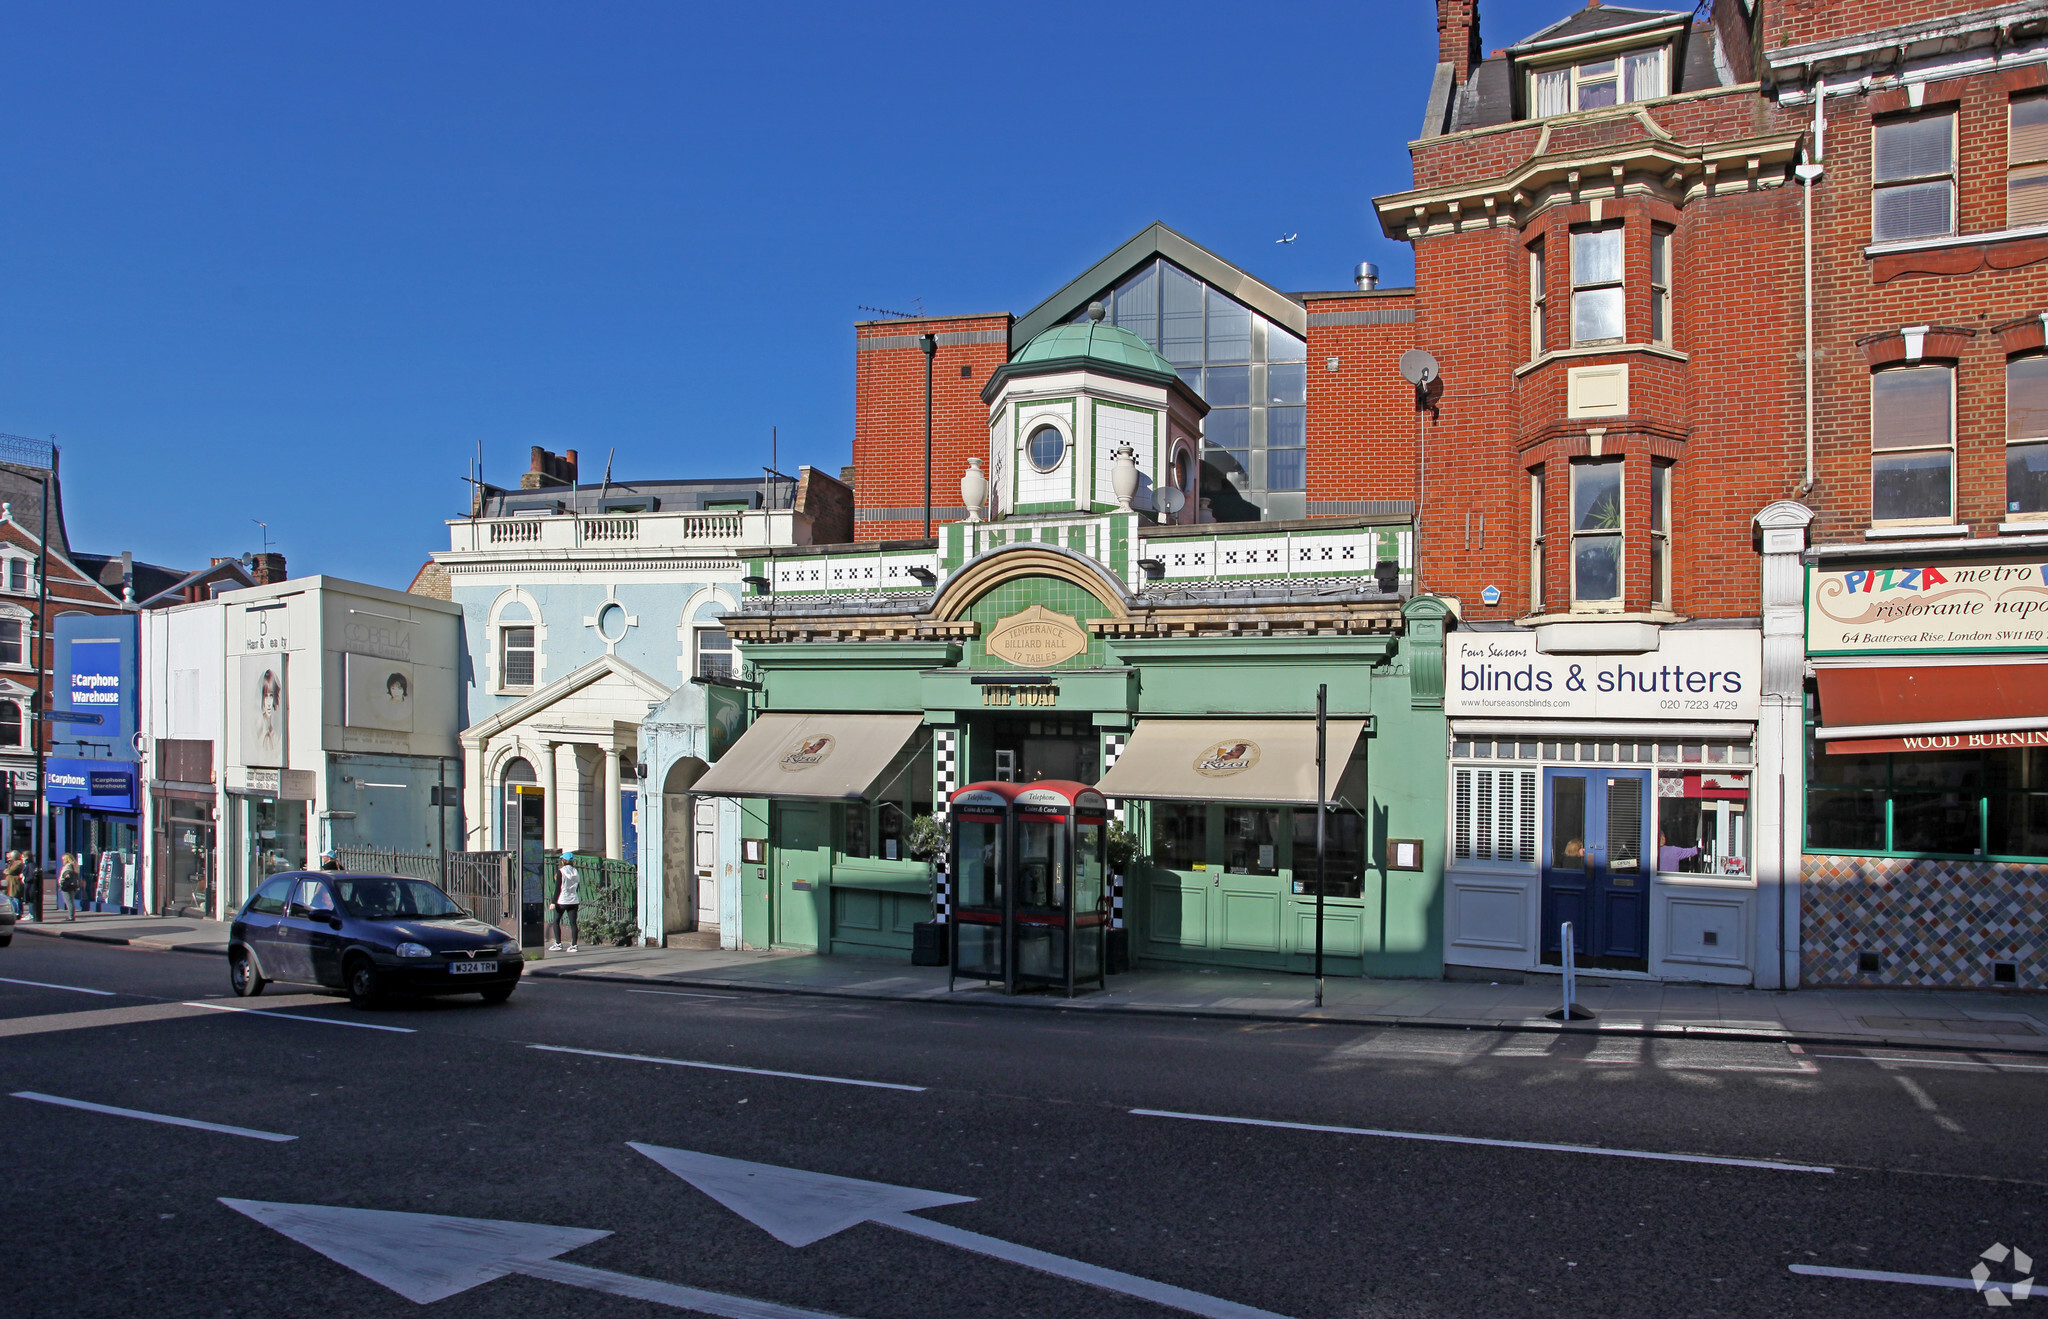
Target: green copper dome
(1096,340)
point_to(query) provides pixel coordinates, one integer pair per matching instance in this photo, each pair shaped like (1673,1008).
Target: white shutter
(1463,811)
(1482,846)
(1526,851)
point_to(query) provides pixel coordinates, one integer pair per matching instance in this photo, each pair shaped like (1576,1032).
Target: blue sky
(295,263)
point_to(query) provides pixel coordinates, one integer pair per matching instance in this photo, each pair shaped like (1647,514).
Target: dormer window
(1595,84)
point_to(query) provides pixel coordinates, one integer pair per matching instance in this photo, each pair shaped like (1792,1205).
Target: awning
(1263,760)
(1952,706)
(831,757)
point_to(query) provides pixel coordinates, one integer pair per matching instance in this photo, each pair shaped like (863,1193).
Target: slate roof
(1487,98)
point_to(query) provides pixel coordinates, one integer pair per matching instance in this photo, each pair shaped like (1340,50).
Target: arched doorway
(522,831)
(689,852)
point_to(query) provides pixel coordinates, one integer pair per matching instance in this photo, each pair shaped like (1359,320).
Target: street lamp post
(929,343)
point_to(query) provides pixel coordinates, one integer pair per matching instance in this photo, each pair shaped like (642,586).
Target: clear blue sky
(296,262)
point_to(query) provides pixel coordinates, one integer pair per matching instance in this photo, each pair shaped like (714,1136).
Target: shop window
(1494,814)
(10,724)
(1343,853)
(1599,308)
(1660,533)
(1660,286)
(1702,823)
(854,834)
(1251,840)
(880,829)
(1930,803)
(1913,165)
(1180,835)
(1536,540)
(2026,175)
(1538,298)
(1912,440)
(516,656)
(1636,75)
(2026,435)
(1596,532)
(11,649)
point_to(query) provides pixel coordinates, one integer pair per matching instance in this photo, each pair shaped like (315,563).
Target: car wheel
(365,986)
(243,975)
(498,995)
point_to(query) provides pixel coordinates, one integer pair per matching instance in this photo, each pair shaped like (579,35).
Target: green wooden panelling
(1426,618)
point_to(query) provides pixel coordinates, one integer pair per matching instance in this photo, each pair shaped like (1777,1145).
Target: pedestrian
(17,890)
(67,885)
(329,861)
(567,900)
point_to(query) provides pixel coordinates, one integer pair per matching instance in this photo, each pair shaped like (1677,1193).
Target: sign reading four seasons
(1945,606)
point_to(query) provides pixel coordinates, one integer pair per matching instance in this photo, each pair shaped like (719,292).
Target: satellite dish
(1418,367)
(1172,499)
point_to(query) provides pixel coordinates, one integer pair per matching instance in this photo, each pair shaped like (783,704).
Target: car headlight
(413,950)
(508,949)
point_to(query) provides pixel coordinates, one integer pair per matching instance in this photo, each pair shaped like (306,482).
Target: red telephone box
(1030,894)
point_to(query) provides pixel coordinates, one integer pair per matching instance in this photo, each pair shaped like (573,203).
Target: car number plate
(471,968)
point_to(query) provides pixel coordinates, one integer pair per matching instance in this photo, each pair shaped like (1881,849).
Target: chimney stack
(548,470)
(1457,37)
(267,569)
(1368,277)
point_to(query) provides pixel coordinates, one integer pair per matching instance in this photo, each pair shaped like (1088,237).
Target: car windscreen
(394,899)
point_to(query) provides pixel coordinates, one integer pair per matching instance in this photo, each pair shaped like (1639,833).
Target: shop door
(1597,834)
(704,859)
(803,865)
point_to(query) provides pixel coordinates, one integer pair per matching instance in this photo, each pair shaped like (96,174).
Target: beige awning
(834,757)
(1263,760)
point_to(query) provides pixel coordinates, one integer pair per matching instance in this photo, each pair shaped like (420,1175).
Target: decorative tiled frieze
(1931,924)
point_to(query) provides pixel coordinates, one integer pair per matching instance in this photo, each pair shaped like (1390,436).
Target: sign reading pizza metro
(1037,638)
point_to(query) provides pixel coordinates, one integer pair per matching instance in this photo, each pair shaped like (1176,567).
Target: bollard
(1571,1011)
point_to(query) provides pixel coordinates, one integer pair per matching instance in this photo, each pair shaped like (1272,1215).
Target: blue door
(1594,872)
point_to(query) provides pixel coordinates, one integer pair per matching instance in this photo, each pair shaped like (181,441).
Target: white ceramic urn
(1123,475)
(973,489)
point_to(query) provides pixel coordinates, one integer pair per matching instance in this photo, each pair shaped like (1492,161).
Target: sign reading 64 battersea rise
(1927,607)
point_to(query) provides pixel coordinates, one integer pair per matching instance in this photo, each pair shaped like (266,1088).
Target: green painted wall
(1019,594)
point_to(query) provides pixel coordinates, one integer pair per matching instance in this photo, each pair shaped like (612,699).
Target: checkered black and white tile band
(945,778)
(1112,747)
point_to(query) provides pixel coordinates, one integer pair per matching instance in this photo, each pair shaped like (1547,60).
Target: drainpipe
(1809,171)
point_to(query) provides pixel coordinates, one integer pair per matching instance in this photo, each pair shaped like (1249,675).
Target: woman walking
(17,891)
(67,885)
(567,900)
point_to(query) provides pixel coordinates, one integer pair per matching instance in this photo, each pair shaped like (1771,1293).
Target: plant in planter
(929,841)
(604,927)
(1122,848)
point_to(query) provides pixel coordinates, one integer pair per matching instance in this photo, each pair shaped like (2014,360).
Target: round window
(1046,447)
(611,623)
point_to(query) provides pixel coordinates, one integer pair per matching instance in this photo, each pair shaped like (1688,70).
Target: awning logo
(1222,759)
(806,752)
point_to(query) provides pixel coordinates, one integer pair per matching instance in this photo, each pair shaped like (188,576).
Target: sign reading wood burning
(1037,638)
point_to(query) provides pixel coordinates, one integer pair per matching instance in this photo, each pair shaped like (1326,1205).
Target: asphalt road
(1934,1157)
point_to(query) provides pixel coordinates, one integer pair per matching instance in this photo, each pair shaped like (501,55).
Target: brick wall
(1361,413)
(888,436)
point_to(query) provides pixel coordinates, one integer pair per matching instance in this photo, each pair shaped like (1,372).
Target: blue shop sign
(98,785)
(94,699)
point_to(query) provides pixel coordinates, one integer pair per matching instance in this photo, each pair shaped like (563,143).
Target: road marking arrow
(428,1257)
(797,1207)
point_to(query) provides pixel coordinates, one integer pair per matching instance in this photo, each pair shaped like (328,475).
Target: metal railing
(610,891)
(487,883)
(653,530)
(382,861)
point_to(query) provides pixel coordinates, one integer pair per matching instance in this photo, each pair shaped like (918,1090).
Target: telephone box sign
(1927,607)
(1037,638)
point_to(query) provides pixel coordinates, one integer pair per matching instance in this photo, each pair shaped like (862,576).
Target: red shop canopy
(1933,707)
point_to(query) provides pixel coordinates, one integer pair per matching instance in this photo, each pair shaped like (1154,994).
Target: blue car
(371,935)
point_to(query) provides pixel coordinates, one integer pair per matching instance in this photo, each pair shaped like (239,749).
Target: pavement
(601,1148)
(1900,1018)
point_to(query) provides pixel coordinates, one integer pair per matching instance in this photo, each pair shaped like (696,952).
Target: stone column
(610,827)
(1778,798)
(550,800)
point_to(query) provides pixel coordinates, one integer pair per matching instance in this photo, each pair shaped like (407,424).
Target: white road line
(725,1067)
(1926,1103)
(250,1132)
(292,1016)
(75,989)
(1934,1062)
(1767,1164)
(677,993)
(1917,1279)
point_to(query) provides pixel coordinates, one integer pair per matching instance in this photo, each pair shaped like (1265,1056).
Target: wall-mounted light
(1154,568)
(925,575)
(761,585)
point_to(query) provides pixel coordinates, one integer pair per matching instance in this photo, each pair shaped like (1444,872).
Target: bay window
(1660,533)
(1660,286)
(1912,440)
(1597,532)
(1599,309)
(1536,540)
(1537,300)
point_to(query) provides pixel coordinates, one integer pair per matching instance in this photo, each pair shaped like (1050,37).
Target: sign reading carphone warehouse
(1711,673)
